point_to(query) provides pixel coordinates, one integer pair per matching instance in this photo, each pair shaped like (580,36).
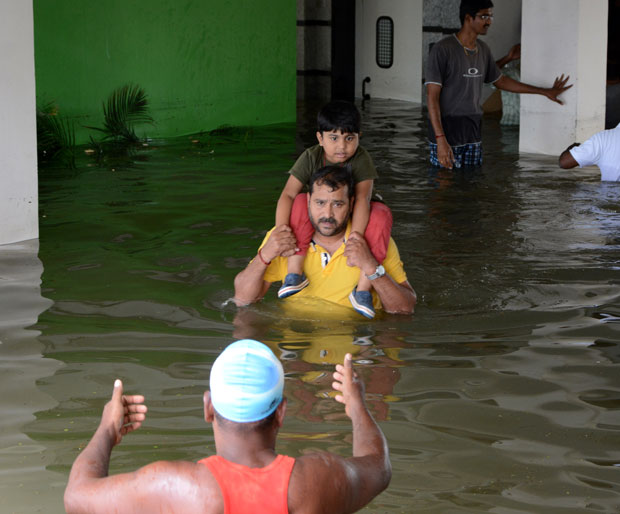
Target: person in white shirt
(602,149)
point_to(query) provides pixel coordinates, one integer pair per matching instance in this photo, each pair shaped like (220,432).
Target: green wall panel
(203,64)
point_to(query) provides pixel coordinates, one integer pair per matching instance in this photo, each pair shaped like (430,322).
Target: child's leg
(299,222)
(377,236)
(295,264)
(303,230)
(363,284)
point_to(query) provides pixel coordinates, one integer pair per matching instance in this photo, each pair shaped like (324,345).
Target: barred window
(385,42)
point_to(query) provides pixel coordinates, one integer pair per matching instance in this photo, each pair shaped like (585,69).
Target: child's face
(338,146)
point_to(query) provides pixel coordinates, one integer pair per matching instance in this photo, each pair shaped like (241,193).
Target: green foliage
(126,107)
(55,135)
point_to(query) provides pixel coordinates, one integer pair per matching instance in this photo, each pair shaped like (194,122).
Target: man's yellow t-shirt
(329,276)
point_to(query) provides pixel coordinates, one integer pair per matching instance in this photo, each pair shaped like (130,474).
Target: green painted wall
(203,64)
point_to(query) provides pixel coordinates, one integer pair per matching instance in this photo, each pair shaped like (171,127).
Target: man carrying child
(336,257)
(338,135)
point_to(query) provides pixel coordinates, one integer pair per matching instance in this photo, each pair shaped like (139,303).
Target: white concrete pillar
(18,134)
(570,37)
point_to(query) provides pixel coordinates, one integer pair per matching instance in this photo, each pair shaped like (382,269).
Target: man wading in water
(246,407)
(456,69)
(336,255)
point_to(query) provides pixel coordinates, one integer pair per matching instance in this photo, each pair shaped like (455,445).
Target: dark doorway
(343,50)
(612,109)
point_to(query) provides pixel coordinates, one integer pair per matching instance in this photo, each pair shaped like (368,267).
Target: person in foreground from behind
(602,149)
(246,407)
(336,255)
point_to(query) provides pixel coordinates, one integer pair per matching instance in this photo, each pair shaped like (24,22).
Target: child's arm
(361,207)
(291,189)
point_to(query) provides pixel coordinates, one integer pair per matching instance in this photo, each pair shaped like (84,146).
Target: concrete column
(570,37)
(18,136)
(314,40)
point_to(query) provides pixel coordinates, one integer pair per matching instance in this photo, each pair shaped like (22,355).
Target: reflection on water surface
(501,394)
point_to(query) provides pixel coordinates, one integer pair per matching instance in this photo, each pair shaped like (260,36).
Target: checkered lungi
(464,155)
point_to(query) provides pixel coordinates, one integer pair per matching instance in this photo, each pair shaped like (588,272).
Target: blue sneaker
(293,283)
(362,302)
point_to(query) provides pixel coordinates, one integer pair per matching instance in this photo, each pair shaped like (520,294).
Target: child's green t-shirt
(313,158)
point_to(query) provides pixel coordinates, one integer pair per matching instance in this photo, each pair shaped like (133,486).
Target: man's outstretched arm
(249,284)
(325,482)
(157,487)
(370,465)
(121,415)
(552,93)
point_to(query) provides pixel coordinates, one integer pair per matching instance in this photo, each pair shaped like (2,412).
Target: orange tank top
(252,490)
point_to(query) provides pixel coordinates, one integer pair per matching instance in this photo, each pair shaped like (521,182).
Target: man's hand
(250,285)
(281,243)
(349,384)
(358,254)
(122,414)
(514,53)
(444,153)
(559,86)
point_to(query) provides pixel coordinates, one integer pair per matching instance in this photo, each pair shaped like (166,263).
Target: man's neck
(329,243)
(252,449)
(467,37)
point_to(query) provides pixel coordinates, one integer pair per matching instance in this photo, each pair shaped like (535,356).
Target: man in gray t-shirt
(460,74)
(457,67)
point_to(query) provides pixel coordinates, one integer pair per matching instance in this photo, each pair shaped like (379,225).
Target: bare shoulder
(179,486)
(319,483)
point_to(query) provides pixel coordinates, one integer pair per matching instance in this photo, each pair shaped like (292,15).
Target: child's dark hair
(339,115)
(334,177)
(472,7)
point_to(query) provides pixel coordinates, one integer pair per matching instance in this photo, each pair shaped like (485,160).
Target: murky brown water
(501,394)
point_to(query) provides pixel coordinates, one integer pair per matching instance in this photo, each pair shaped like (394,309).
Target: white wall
(570,37)
(591,75)
(403,81)
(18,143)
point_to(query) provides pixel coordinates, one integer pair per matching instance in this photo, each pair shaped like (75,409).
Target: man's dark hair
(472,7)
(339,115)
(334,177)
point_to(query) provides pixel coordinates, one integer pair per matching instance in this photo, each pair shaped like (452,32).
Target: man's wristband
(437,136)
(260,256)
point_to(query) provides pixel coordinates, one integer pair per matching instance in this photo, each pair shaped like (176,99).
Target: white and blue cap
(246,382)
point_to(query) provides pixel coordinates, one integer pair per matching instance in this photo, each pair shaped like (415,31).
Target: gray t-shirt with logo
(461,74)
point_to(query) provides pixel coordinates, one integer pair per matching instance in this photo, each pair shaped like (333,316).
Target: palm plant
(126,106)
(55,134)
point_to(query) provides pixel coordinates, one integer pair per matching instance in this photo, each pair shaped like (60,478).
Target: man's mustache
(327,220)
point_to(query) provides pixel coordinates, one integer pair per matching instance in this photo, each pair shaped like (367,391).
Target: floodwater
(500,394)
